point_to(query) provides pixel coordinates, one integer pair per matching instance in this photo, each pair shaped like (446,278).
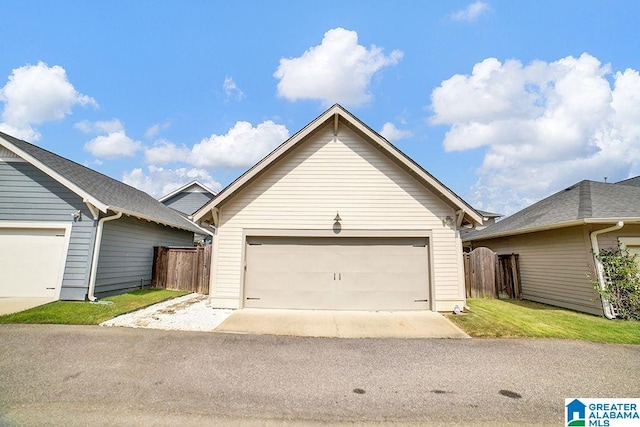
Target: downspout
(96,254)
(606,305)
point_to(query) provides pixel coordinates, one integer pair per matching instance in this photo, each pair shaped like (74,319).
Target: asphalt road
(77,375)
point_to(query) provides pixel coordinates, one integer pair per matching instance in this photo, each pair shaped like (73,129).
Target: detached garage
(337,218)
(69,232)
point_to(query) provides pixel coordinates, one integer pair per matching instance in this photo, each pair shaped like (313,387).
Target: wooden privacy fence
(489,275)
(182,269)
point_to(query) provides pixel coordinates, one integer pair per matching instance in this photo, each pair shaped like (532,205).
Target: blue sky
(505,102)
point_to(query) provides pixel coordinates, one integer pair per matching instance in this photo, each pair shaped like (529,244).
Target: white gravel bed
(191,312)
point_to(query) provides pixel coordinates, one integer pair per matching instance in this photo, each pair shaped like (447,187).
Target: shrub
(622,276)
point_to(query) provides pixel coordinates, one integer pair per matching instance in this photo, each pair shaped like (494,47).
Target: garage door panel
(31,260)
(337,273)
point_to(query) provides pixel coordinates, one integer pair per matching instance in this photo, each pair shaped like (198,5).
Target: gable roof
(582,203)
(101,191)
(340,116)
(187,186)
(635,181)
(489,214)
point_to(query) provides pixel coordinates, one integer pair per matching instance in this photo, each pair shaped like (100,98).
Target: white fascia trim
(565,224)
(53,174)
(333,113)
(157,221)
(262,164)
(184,187)
(395,153)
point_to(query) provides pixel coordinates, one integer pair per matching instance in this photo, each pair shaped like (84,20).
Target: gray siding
(188,203)
(126,254)
(556,267)
(27,194)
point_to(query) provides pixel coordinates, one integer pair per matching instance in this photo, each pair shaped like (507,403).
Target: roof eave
(193,227)
(336,111)
(187,185)
(555,226)
(86,197)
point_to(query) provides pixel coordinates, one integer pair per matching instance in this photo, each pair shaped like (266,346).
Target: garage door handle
(334,276)
(339,276)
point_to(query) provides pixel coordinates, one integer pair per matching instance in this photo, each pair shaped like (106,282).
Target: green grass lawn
(86,313)
(491,318)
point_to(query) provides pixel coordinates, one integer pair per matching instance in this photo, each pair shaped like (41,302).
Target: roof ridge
(585,205)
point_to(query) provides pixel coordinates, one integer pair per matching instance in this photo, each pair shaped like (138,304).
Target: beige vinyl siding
(554,267)
(610,240)
(325,175)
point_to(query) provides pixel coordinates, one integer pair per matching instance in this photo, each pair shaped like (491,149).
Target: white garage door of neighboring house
(31,261)
(339,273)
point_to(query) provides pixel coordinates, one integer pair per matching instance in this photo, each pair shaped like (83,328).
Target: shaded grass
(492,318)
(86,313)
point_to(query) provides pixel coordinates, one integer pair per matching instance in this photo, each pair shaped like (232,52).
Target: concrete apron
(341,324)
(16,304)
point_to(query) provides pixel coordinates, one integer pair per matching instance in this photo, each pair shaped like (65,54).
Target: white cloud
(164,152)
(35,94)
(26,133)
(107,126)
(241,147)
(231,90)
(544,126)
(159,181)
(113,145)
(390,132)
(156,128)
(339,70)
(471,12)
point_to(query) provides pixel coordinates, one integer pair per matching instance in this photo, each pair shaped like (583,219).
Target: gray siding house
(188,198)
(68,232)
(557,237)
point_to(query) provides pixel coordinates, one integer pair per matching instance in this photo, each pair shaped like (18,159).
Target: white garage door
(337,273)
(31,260)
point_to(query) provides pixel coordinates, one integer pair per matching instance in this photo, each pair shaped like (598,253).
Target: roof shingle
(584,200)
(112,193)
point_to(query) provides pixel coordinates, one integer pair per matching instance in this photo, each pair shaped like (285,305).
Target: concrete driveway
(193,312)
(54,375)
(341,324)
(14,305)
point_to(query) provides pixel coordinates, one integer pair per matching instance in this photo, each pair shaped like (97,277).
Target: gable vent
(6,154)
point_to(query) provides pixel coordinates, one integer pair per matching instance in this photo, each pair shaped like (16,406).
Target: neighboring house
(188,198)
(68,232)
(337,218)
(488,218)
(557,237)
